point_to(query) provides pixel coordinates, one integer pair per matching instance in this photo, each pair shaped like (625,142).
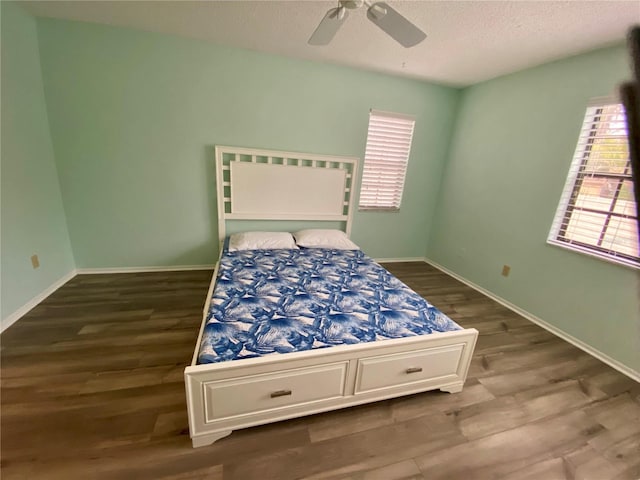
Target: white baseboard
(177,268)
(622,368)
(400,259)
(19,313)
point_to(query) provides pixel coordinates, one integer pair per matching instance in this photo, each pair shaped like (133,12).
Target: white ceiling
(467,42)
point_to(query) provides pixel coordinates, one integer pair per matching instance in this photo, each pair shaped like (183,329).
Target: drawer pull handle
(414,369)
(280,393)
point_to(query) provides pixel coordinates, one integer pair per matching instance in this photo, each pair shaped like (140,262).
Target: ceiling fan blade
(328,26)
(399,28)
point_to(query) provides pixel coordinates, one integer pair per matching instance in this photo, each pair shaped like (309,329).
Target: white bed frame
(222,397)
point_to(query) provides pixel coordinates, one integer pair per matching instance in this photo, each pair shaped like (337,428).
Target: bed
(288,332)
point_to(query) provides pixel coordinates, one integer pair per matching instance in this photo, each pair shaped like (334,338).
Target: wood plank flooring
(92,388)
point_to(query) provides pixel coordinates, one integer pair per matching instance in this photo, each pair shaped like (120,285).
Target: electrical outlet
(34,261)
(506,269)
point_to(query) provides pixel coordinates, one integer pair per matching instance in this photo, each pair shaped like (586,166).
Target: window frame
(402,165)
(575,180)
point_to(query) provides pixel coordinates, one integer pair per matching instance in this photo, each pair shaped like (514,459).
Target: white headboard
(272,185)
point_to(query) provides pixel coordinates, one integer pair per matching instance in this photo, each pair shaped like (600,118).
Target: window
(385,160)
(597,213)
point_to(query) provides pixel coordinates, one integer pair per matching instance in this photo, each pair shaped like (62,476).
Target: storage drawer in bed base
(269,392)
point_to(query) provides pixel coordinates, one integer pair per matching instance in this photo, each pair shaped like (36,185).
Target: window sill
(378,209)
(585,251)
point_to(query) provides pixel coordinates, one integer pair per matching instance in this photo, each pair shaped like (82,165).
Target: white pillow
(317,238)
(261,241)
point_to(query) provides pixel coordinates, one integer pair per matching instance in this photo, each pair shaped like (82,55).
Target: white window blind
(385,160)
(597,212)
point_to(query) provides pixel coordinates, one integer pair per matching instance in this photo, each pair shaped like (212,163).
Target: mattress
(278,301)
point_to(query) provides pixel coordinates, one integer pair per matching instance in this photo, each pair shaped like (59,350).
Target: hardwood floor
(92,388)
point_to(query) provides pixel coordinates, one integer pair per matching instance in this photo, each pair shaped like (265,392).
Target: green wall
(513,144)
(33,219)
(135,116)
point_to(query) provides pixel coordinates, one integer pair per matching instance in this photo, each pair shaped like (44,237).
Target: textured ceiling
(467,42)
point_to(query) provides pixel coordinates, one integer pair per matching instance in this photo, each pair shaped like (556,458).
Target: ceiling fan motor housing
(351,4)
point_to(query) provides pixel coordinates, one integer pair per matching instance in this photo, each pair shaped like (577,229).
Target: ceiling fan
(399,28)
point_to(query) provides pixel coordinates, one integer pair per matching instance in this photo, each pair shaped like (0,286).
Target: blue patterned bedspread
(279,301)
